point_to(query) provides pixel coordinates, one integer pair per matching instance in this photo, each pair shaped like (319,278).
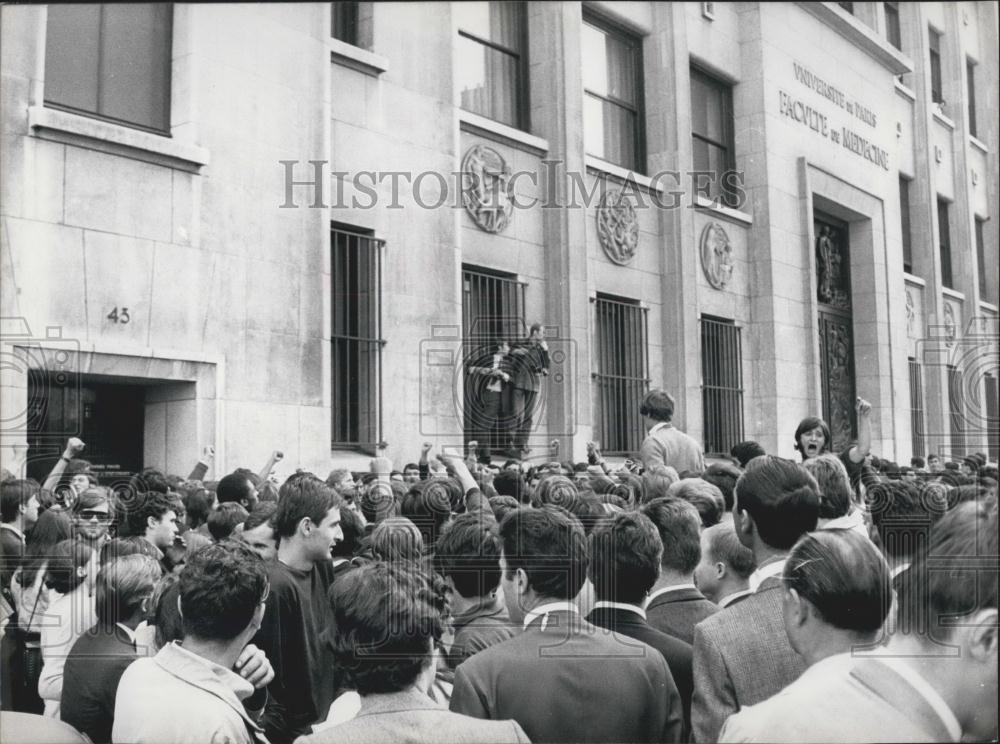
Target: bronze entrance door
(836,328)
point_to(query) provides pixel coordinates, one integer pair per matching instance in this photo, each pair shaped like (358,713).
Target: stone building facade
(211,248)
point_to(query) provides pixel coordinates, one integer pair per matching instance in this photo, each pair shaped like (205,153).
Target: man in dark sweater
(292,634)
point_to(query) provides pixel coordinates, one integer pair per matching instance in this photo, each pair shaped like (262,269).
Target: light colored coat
(177,697)
(412,718)
(666,445)
(67,618)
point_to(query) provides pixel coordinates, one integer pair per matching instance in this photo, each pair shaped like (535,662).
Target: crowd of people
(750,598)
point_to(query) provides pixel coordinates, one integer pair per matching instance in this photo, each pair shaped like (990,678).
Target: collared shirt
(661,425)
(932,696)
(665,589)
(544,610)
(128,631)
(899,569)
(601,604)
(774,568)
(728,600)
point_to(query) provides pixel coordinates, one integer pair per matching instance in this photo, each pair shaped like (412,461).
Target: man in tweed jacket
(742,656)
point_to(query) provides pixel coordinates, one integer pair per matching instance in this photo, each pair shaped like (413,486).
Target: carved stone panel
(837,348)
(617,227)
(486,188)
(910,314)
(950,324)
(833,266)
(716,255)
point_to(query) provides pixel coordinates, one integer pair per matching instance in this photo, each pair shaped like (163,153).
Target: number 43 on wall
(119,316)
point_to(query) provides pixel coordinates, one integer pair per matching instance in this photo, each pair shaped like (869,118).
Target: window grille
(621,373)
(917,440)
(722,384)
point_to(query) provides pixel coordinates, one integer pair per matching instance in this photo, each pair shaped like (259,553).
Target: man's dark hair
(843,576)
(145,505)
(386,620)
(263,512)
(746,451)
(65,562)
(198,505)
(550,546)
(679,525)
(658,405)
(223,521)
(917,462)
(903,512)
(589,509)
(304,497)
(122,585)
(723,476)
(468,552)
(235,487)
(13,495)
(625,554)
(411,466)
(353,529)
(378,501)
(781,497)
(397,539)
(428,505)
(503,504)
(965,542)
(725,546)
(220,588)
(512,483)
(120,547)
(149,479)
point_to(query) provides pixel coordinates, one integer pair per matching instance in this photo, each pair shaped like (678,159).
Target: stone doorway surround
(881,372)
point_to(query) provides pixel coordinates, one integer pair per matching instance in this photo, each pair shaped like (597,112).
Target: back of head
(263,512)
(843,577)
(300,498)
(149,479)
(123,585)
(387,617)
(503,504)
(67,565)
(953,577)
(397,539)
(221,587)
(658,405)
(725,547)
(723,475)
(557,490)
(704,496)
(428,506)
(378,501)
(235,487)
(510,482)
(198,505)
(781,498)
(625,553)
(13,495)
(903,512)
(679,525)
(549,545)
(468,553)
(745,451)
(223,521)
(353,529)
(835,490)
(120,547)
(657,483)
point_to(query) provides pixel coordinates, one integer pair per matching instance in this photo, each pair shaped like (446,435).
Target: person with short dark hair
(666,445)
(100,656)
(723,573)
(258,531)
(468,557)
(152,515)
(511,482)
(813,438)
(503,504)
(198,504)
(397,539)
(742,655)
(837,510)
(190,692)
(19,512)
(387,621)
(226,520)
(903,514)
(625,551)
(237,488)
(833,603)
(562,679)
(704,496)
(723,475)
(675,605)
(307,524)
(526,363)
(918,464)
(745,451)
(93,515)
(428,505)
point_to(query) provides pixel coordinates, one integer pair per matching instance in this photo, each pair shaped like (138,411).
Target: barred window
(917,440)
(956,410)
(612,104)
(944,243)
(356,338)
(111,61)
(492,56)
(722,384)
(712,130)
(621,373)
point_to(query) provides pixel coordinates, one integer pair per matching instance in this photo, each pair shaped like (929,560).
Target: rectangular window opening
(622,373)
(722,384)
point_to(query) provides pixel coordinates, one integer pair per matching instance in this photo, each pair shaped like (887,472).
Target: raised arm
(73,447)
(273,460)
(863,448)
(201,469)
(422,464)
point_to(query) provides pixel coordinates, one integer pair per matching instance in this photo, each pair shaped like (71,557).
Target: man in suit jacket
(624,562)
(666,445)
(562,679)
(675,605)
(526,364)
(742,656)
(393,610)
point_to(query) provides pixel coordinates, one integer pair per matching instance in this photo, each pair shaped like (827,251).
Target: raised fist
(74,446)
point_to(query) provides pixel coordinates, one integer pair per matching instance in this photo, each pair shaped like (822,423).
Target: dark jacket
(93,668)
(572,682)
(676,653)
(525,363)
(677,612)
